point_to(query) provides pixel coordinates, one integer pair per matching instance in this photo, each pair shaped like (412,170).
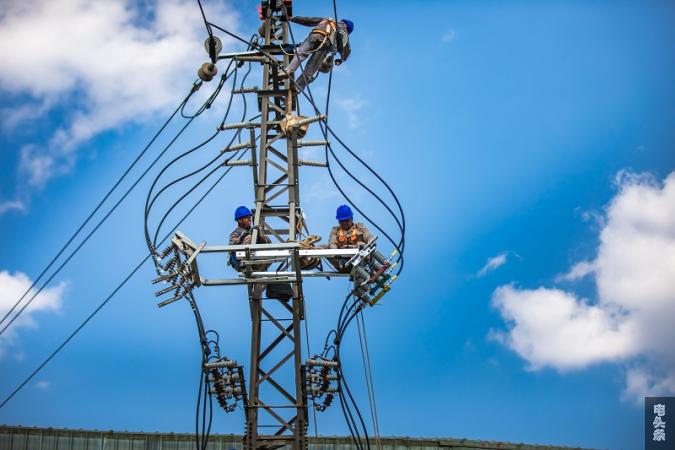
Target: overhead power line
(105,217)
(100,203)
(109,297)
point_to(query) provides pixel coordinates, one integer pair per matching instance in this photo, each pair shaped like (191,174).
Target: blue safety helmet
(344,212)
(349,24)
(242,211)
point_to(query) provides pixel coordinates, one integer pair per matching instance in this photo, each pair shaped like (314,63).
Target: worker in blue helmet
(347,234)
(242,234)
(327,38)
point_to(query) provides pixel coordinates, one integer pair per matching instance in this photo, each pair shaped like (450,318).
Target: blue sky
(502,126)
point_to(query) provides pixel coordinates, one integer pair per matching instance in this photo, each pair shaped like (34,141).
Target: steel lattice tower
(276,398)
(277,213)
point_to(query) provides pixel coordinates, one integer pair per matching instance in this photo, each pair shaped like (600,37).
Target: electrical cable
(309,353)
(344,319)
(91,233)
(212,49)
(110,296)
(199,399)
(150,202)
(367,369)
(195,88)
(182,155)
(344,387)
(153,243)
(201,434)
(107,215)
(201,438)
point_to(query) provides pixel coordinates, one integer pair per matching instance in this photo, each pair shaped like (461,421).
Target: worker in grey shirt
(346,234)
(242,235)
(321,44)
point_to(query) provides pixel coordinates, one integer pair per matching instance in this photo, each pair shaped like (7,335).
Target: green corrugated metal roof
(27,438)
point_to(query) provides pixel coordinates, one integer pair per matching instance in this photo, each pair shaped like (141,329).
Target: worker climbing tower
(277,259)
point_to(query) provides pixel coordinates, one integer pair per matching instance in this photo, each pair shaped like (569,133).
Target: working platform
(254,256)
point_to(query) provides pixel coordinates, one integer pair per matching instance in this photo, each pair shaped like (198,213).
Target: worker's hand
(338,62)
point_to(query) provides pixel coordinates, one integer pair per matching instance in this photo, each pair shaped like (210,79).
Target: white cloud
(641,383)
(632,319)
(12,288)
(37,166)
(105,63)
(352,107)
(551,327)
(10,205)
(321,191)
(448,37)
(492,264)
(578,271)
(43,385)
(13,117)
(594,218)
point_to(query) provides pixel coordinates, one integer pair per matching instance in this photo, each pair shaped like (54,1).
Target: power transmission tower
(276,398)
(277,213)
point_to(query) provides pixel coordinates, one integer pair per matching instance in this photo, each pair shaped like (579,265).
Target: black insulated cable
(110,296)
(195,88)
(98,225)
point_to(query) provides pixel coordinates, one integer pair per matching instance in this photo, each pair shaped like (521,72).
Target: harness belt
(342,239)
(325,30)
